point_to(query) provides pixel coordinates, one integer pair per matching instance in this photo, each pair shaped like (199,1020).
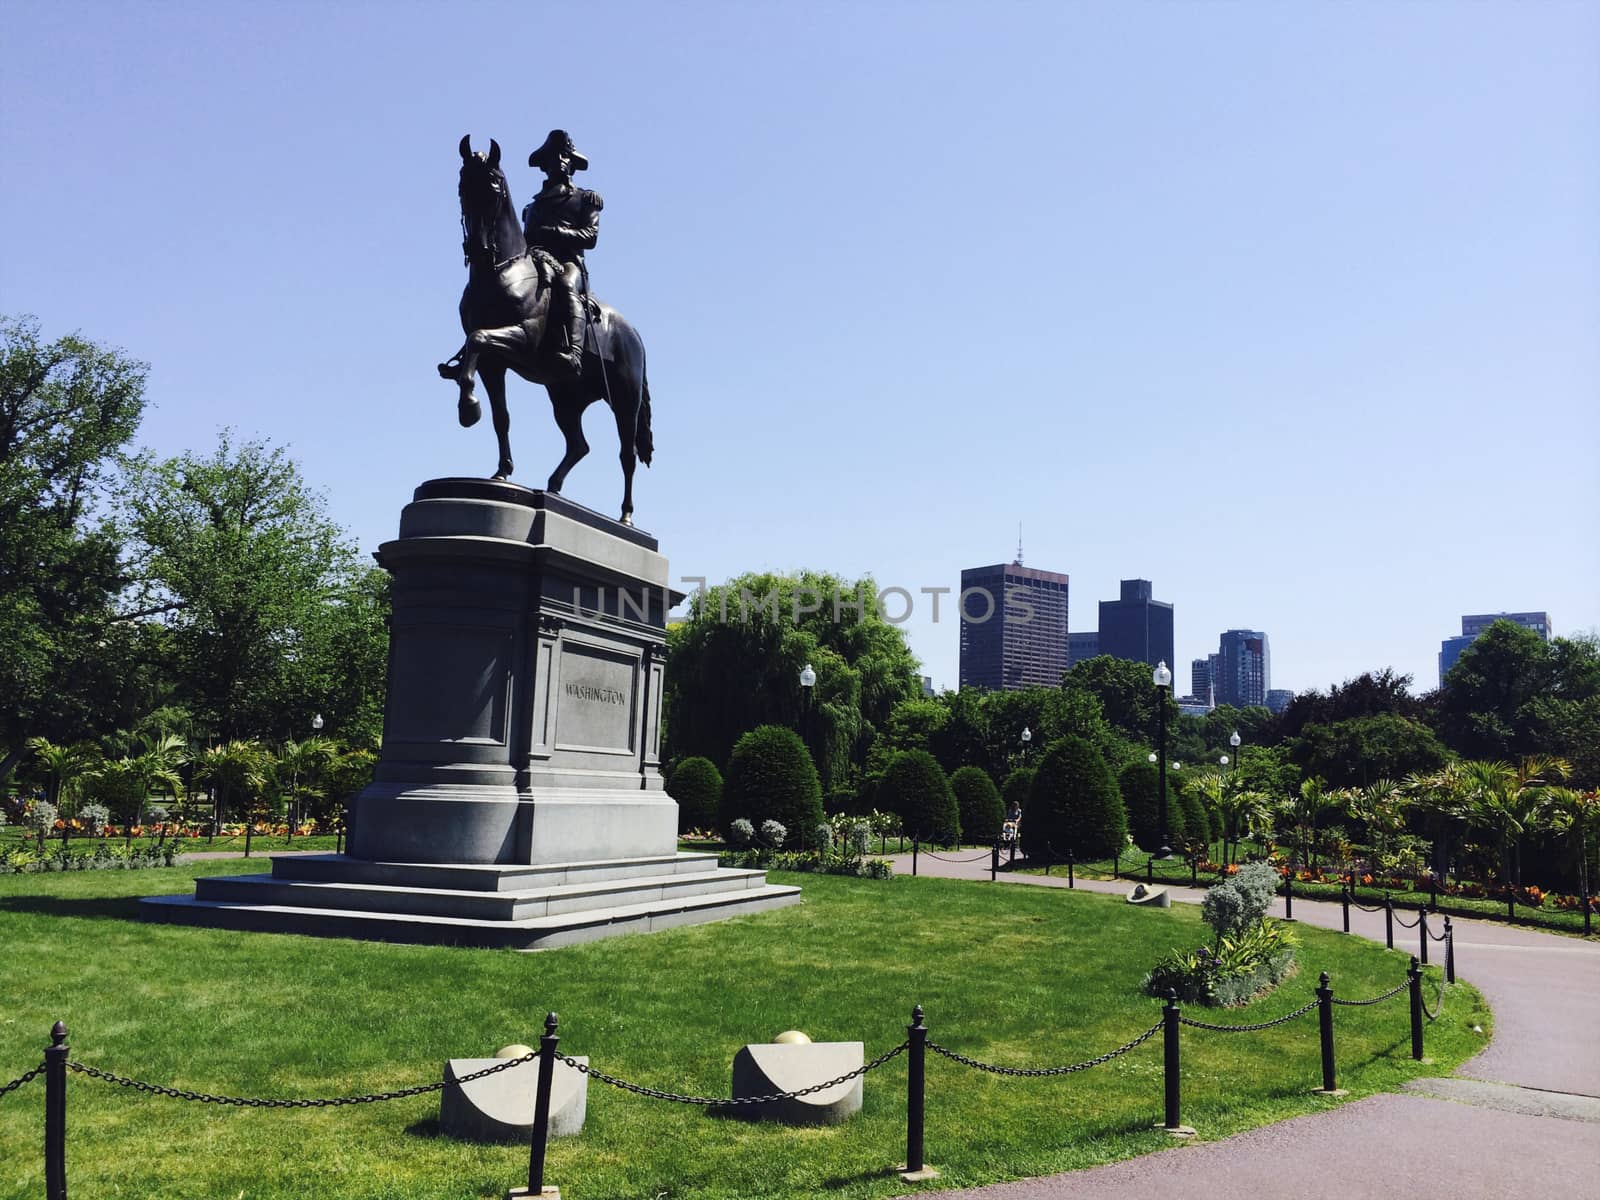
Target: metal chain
(1372,908)
(1438,1003)
(723,1101)
(1394,991)
(1299,1012)
(156,1089)
(1408,924)
(16,1083)
(1040,1072)
(944,858)
(1437,937)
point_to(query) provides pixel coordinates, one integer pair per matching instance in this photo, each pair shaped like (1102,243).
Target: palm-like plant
(236,771)
(302,765)
(1305,810)
(59,768)
(1577,814)
(1509,800)
(1381,806)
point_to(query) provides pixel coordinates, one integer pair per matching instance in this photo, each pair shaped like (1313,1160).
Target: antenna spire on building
(1019,543)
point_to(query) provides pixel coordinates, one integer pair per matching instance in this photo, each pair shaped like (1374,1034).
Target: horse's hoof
(447,370)
(504,471)
(468,412)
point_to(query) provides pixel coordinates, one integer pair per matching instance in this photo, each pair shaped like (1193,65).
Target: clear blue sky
(1292,309)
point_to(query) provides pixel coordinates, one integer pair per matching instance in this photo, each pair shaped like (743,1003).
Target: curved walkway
(1521,1116)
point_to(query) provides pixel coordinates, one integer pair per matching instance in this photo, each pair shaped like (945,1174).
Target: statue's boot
(572,357)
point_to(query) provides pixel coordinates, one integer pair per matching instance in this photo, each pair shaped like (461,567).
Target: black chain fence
(947,859)
(1409,924)
(1438,1003)
(1283,1020)
(1394,991)
(734,1101)
(1042,1072)
(22,1079)
(156,1089)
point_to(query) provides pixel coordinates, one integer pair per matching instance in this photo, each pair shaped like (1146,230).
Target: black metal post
(55,1114)
(1388,920)
(917,1035)
(1433,892)
(1116,864)
(1449,952)
(1414,978)
(994,860)
(1194,872)
(1511,903)
(1422,933)
(1071,882)
(1150,869)
(541,1106)
(1325,1019)
(1288,897)
(1344,903)
(913,856)
(1170,1065)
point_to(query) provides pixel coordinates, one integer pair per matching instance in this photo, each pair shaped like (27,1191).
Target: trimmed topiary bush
(771,778)
(697,787)
(915,787)
(1138,787)
(1016,788)
(1074,805)
(1197,820)
(978,802)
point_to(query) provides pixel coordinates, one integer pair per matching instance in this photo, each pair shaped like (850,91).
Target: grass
(1021,976)
(13,838)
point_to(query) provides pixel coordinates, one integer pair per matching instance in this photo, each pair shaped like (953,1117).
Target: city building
(1082,647)
(1013,627)
(1200,680)
(1474,624)
(1279,699)
(1135,626)
(1244,669)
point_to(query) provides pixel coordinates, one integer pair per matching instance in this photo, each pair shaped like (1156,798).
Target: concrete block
(763,1068)
(499,1107)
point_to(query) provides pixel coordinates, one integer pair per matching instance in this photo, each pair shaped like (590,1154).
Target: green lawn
(1015,975)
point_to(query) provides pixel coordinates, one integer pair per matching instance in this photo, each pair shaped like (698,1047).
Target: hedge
(1074,805)
(915,788)
(771,778)
(696,785)
(978,801)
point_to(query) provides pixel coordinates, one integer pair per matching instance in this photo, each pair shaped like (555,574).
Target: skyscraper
(1135,626)
(1081,647)
(1013,627)
(1244,669)
(1200,678)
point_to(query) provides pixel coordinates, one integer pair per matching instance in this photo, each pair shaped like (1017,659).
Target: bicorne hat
(558,140)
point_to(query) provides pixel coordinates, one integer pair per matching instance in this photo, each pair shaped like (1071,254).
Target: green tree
(978,802)
(771,778)
(271,615)
(916,788)
(300,770)
(1355,752)
(58,769)
(1014,792)
(735,663)
(1140,786)
(68,669)
(236,772)
(1074,805)
(1511,692)
(1509,799)
(1128,697)
(697,787)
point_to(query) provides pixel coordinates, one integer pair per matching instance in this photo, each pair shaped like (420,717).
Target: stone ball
(792,1037)
(515,1050)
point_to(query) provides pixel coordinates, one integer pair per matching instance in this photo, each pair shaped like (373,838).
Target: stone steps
(481,905)
(532,933)
(518,907)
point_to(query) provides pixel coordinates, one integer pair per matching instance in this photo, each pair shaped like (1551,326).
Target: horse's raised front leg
(461,367)
(494,382)
(568,406)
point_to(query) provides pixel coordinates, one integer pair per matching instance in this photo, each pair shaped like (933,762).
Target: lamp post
(1162,678)
(1027,737)
(808,680)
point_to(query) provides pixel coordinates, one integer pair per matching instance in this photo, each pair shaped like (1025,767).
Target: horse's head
(489,227)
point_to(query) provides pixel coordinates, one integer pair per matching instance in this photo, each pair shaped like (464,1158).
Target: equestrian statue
(527,308)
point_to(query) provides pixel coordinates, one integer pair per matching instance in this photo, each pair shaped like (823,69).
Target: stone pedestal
(518,798)
(525,675)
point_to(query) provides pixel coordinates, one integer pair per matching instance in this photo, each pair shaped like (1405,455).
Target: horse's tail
(644,443)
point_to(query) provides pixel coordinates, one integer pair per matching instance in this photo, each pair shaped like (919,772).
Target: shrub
(1139,787)
(978,803)
(1197,820)
(741,832)
(1016,788)
(1243,965)
(697,787)
(1073,805)
(915,787)
(771,778)
(774,834)
(1238,903)
(95,817)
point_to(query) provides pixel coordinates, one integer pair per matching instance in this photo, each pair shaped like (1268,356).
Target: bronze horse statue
(505,313)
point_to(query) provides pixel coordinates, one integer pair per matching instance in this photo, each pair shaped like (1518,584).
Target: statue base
(520,767)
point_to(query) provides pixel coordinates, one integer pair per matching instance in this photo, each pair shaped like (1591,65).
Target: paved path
(1534,1123)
